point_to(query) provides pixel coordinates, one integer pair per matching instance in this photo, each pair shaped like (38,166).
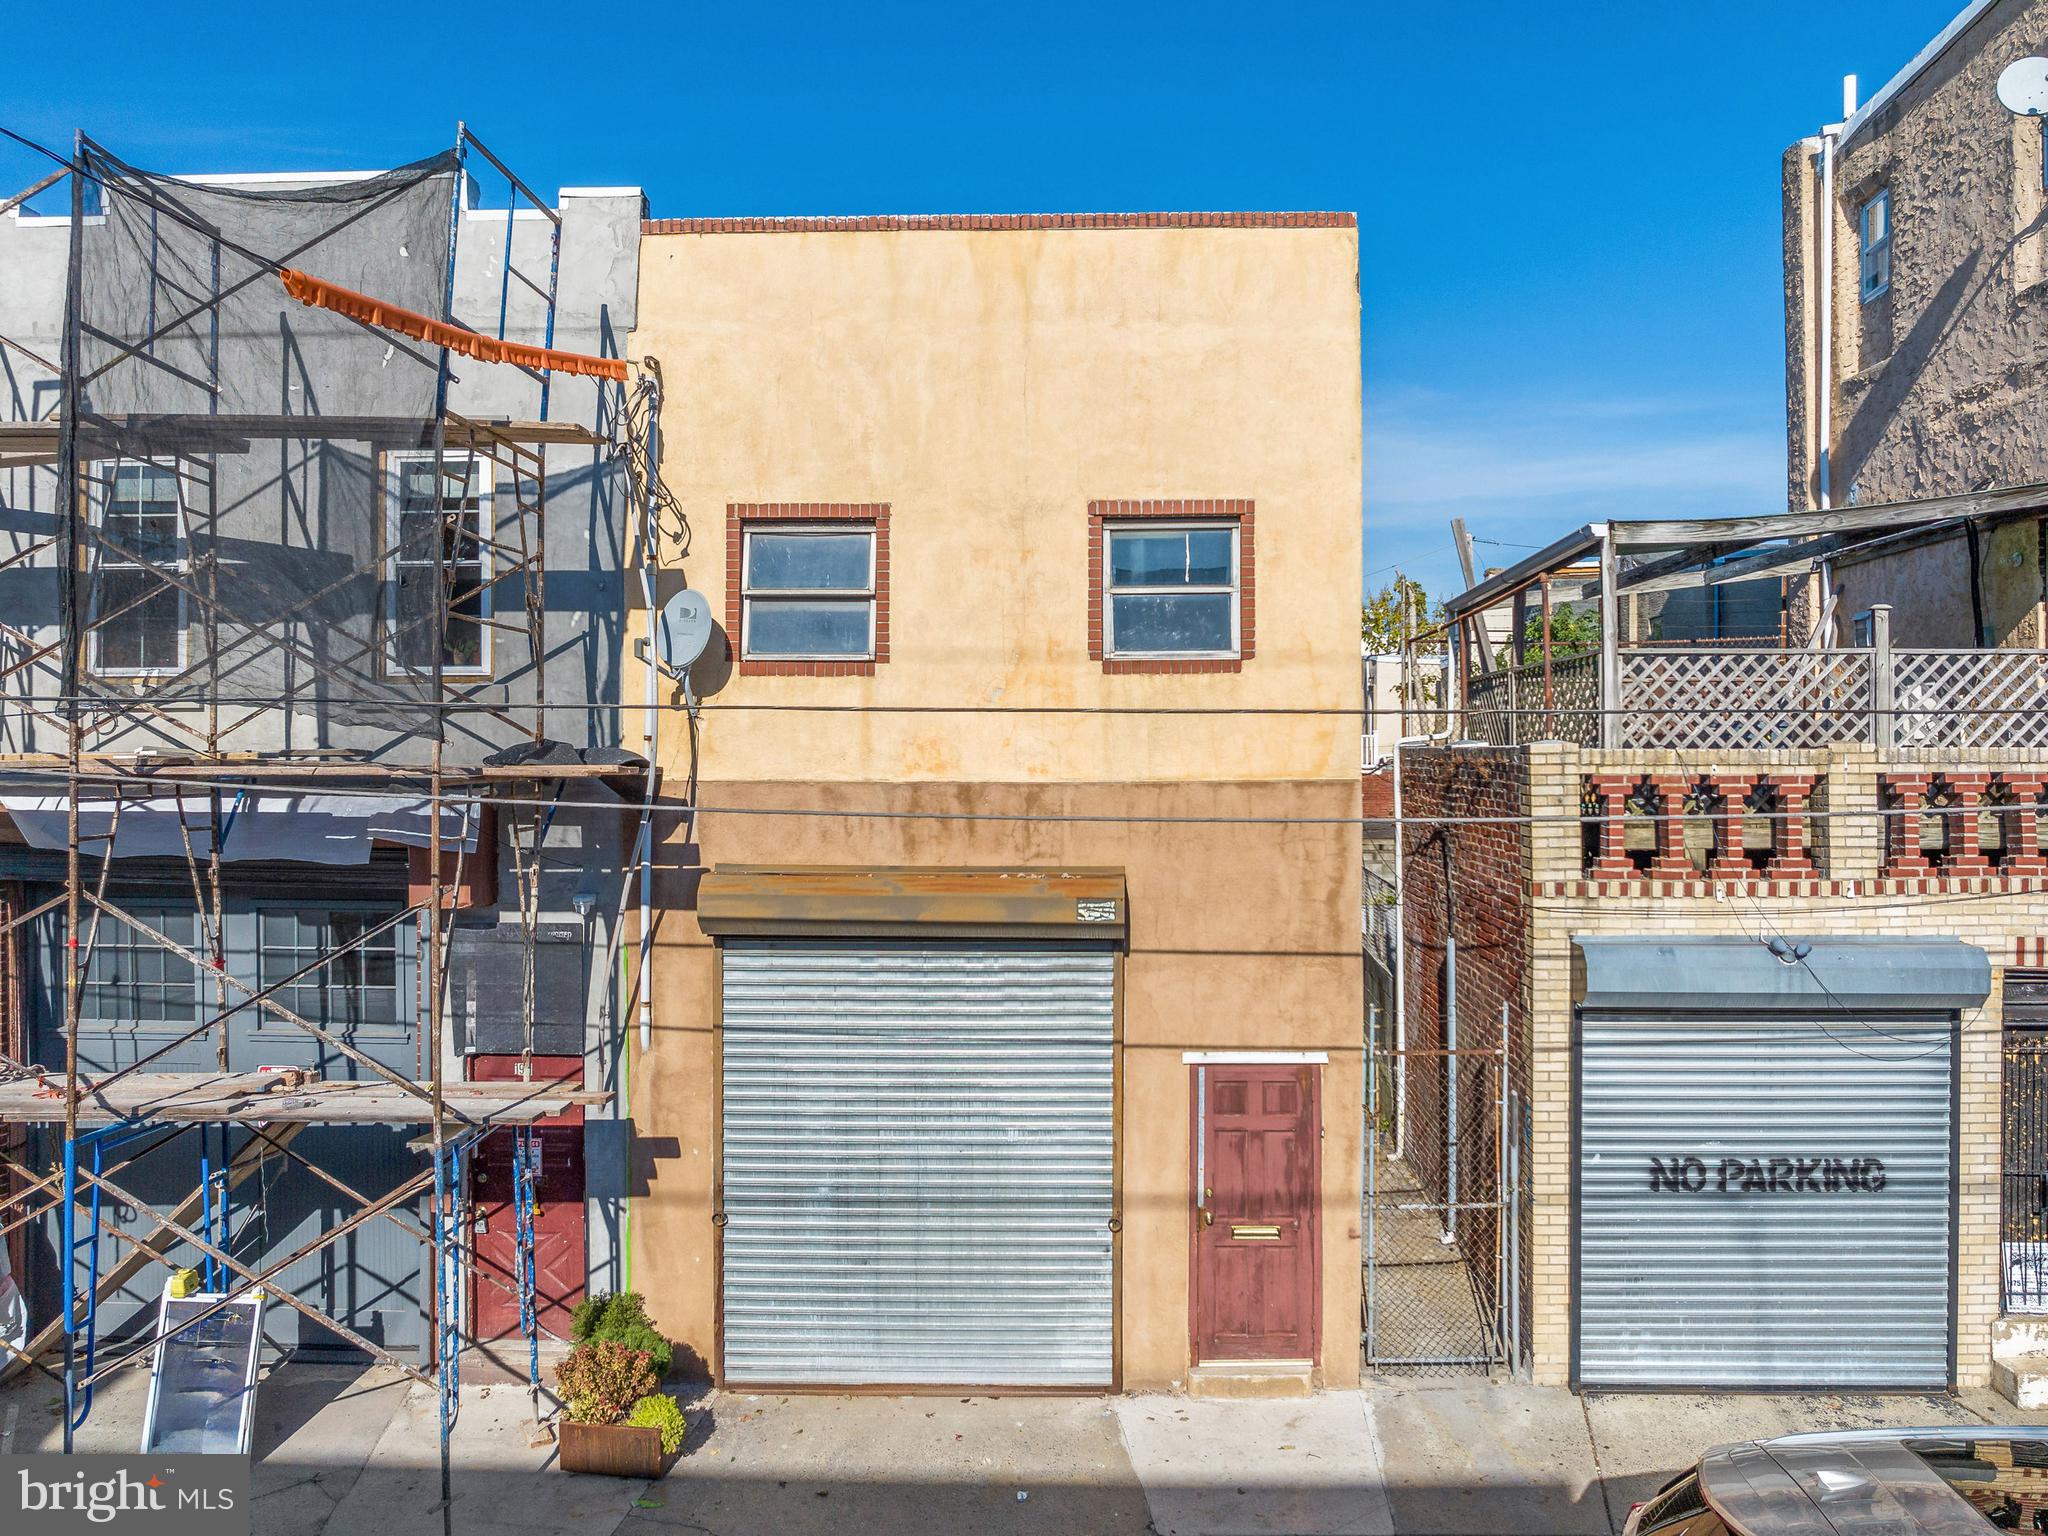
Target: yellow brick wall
(1985,913)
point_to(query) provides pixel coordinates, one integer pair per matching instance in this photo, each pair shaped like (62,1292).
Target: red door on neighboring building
(560,1262)
(1257,1249)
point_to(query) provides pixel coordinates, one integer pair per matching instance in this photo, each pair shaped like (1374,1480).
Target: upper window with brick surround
(807,587)
(1170,585)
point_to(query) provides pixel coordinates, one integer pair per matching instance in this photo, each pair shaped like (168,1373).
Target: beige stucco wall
(987,385)
(1928,583)
(1984,913)
(1241,936)
(1939,384)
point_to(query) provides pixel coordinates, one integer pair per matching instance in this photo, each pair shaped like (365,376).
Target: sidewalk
(353,1452)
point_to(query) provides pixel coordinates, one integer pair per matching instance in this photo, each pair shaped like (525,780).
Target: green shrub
(600,1380)
(660,1411)
(621,1316)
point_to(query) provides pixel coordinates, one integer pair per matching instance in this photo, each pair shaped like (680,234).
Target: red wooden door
(559,1258)
(1257,1250)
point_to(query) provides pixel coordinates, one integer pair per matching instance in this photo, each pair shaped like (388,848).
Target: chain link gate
(1444,1220)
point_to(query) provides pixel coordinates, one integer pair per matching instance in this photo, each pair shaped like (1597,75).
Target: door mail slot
(1256,1234)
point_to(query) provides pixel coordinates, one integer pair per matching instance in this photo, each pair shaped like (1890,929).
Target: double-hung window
(808,592)
(449,532)
(138,612)
(1874,233)
(1171,590)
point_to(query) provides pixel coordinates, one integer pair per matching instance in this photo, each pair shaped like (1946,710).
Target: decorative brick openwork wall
(1952,824)
(1718,802)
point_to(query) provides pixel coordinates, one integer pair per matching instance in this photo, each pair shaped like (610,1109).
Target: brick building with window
(1720,1034)
(1007,1000)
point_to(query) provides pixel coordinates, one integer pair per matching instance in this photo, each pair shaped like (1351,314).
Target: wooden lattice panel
(1970,699)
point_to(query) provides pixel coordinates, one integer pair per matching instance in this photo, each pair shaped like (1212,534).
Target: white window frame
(487,532)
(748,652)
(106,560)
(1874,254)
(1110,591)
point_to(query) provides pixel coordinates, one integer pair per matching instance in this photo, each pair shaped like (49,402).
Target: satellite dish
(2023,87)
(682,631)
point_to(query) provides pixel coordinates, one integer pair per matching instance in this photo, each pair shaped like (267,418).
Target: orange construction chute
(321,294)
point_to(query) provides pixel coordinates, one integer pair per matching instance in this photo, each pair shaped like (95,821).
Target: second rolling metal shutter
(1765,1203)
(918,1170)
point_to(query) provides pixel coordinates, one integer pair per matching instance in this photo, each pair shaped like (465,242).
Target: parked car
(1947,1481)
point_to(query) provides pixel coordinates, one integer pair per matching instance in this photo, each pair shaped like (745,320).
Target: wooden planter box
(612,1450)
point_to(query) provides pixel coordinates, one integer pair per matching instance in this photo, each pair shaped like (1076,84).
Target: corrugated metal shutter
(918,1162)
(1732,1229)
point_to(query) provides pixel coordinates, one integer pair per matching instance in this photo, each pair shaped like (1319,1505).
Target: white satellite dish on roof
(2023,87)
(682,631)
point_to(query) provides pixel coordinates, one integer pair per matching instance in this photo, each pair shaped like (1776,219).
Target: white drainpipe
(1830,135)
(649,715)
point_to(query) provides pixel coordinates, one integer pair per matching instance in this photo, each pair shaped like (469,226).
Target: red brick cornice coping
(885,222)
(1968,885)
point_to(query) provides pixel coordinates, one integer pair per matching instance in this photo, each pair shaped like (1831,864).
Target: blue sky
(1568,212)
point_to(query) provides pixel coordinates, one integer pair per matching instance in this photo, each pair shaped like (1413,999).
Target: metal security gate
(2024,1202)
(1766,1202)
(918,1177)
(1444,1215)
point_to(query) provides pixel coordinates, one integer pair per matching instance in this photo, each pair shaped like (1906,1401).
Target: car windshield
(2005,1481)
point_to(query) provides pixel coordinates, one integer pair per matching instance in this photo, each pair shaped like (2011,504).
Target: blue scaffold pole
(77,1400)
(70,1222)
(206,1204)
(441,1228)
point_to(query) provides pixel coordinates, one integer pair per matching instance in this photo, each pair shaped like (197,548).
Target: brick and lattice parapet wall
(1860,894)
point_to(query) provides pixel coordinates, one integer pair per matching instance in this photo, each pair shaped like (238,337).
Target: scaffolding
(272,644)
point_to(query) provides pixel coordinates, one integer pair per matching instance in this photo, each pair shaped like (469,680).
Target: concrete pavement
(345,1451)
(1307,1467)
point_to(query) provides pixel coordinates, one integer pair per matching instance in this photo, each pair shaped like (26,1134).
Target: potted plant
(616,1421)
(621,1316)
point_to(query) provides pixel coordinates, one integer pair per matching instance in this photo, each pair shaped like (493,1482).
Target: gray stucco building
(254,599)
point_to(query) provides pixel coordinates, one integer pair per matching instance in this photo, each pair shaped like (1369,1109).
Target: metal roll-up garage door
(1765,1202)
(918,1162)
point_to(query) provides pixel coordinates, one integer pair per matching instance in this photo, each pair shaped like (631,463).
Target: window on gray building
(138,614)
(460,523)
(133,982)
(365,984)
(1874,230)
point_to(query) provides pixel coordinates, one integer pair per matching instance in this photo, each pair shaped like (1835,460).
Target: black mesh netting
(241,453)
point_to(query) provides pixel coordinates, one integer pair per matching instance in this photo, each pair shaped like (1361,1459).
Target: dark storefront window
(132,981)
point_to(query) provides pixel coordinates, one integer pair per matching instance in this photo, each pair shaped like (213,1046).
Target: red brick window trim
(739,517)
(1110,513)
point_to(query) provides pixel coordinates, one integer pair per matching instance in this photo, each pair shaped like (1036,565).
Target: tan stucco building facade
(983,398)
